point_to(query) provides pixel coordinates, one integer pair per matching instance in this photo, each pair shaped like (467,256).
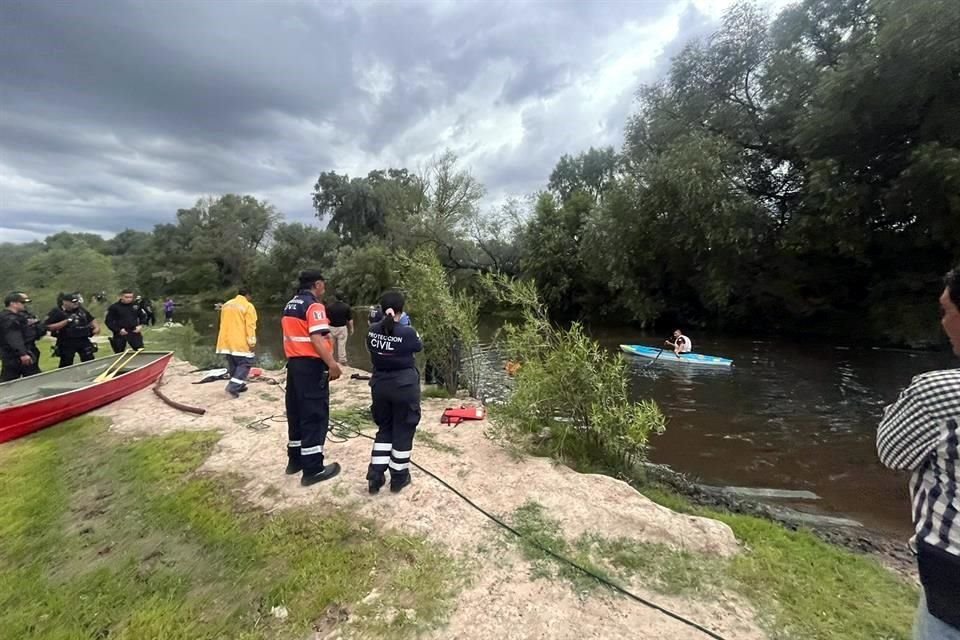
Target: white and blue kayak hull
(667,356)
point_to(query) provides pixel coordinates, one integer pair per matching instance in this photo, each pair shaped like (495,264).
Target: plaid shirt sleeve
(913,426)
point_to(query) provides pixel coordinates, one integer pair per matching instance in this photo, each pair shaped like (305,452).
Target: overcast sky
(115,114)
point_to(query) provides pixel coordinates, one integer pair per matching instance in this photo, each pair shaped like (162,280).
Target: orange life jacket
(303,317)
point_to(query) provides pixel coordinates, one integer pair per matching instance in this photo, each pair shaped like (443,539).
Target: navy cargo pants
(396,410)
(308,412)
(239,369)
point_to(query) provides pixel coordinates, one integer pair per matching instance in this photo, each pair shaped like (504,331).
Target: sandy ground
(501,598)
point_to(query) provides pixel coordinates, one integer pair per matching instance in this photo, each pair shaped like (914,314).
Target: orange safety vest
(303,317)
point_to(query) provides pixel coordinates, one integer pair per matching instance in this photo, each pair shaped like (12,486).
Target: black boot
(375,480)
(329,471)
(293,467)
(396,484)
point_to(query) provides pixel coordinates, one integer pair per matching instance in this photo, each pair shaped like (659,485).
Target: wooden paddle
(117,365)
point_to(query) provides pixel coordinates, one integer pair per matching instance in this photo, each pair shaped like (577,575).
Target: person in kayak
(680,343)
(395,391)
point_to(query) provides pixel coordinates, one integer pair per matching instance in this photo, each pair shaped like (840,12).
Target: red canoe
(30,404)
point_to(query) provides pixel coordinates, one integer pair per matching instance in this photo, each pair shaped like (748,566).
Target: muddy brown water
(785,416)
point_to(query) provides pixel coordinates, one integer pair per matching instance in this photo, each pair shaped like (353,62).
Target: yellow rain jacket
(238,328)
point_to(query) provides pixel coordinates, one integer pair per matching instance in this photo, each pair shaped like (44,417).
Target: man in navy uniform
(310,368)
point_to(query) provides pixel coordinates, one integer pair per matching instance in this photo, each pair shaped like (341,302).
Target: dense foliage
(799,175)
(446,319)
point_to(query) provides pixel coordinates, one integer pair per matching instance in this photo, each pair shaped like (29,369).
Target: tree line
(794,175)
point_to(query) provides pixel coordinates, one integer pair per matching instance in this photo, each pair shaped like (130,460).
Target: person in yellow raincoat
(238,339)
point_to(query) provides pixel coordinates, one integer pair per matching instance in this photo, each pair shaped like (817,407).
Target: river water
(786,416)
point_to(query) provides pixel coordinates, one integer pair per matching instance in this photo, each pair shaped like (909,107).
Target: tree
(590,172)
(783,174)
(13,257)
(68,240)
(356,210)
(294,247)
(79,268)
(550,250)
(446,319)
(363,273)
(229,232)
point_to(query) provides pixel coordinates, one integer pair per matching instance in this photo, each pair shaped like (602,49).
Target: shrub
(569,395)
(446,321)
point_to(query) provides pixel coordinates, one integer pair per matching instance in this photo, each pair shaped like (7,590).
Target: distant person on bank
(920,433)
(168,306)
(72,326)
(147,316)
(395,391)
(679,343)
(123,319)
(340,315)
(19,332)
(237,339)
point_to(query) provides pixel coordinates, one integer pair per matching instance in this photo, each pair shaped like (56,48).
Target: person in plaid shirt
(919,432)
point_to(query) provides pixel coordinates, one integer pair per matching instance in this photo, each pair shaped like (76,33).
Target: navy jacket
(396,352)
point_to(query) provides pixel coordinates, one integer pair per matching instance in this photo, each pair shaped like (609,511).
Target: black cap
(16,296)
(72,297)
(311,276)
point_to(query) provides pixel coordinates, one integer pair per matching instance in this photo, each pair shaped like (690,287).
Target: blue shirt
(392,353)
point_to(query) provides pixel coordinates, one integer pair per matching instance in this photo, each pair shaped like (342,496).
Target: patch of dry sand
(502,600)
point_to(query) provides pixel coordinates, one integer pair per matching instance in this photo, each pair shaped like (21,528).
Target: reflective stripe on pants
(239,368)
(396,410)
(308,411)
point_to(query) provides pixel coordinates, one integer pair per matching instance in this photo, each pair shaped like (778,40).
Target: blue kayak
(668,356)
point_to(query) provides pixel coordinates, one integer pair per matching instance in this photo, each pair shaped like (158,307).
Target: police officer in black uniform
(72,326)
(126,323)
(395,388)
(19,332)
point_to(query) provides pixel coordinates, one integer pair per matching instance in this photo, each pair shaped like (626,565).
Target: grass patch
(664,569)
(357,417)
(539,530)
(805,587)
(802,587)
(436,393)
(430,440)
(186,343)
(101,537)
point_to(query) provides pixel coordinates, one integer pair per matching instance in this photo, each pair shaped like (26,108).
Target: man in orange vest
(310,368)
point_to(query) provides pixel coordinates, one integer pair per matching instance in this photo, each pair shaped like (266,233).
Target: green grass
(539,530)
(806,588)
(437,393)
(101,537)
(616,560)
(430,440)
(357,417)
(183,340)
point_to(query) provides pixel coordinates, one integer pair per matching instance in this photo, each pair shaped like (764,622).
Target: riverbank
(681,493)
(185,526)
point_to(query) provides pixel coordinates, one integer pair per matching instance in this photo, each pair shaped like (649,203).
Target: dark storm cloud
(114,114)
